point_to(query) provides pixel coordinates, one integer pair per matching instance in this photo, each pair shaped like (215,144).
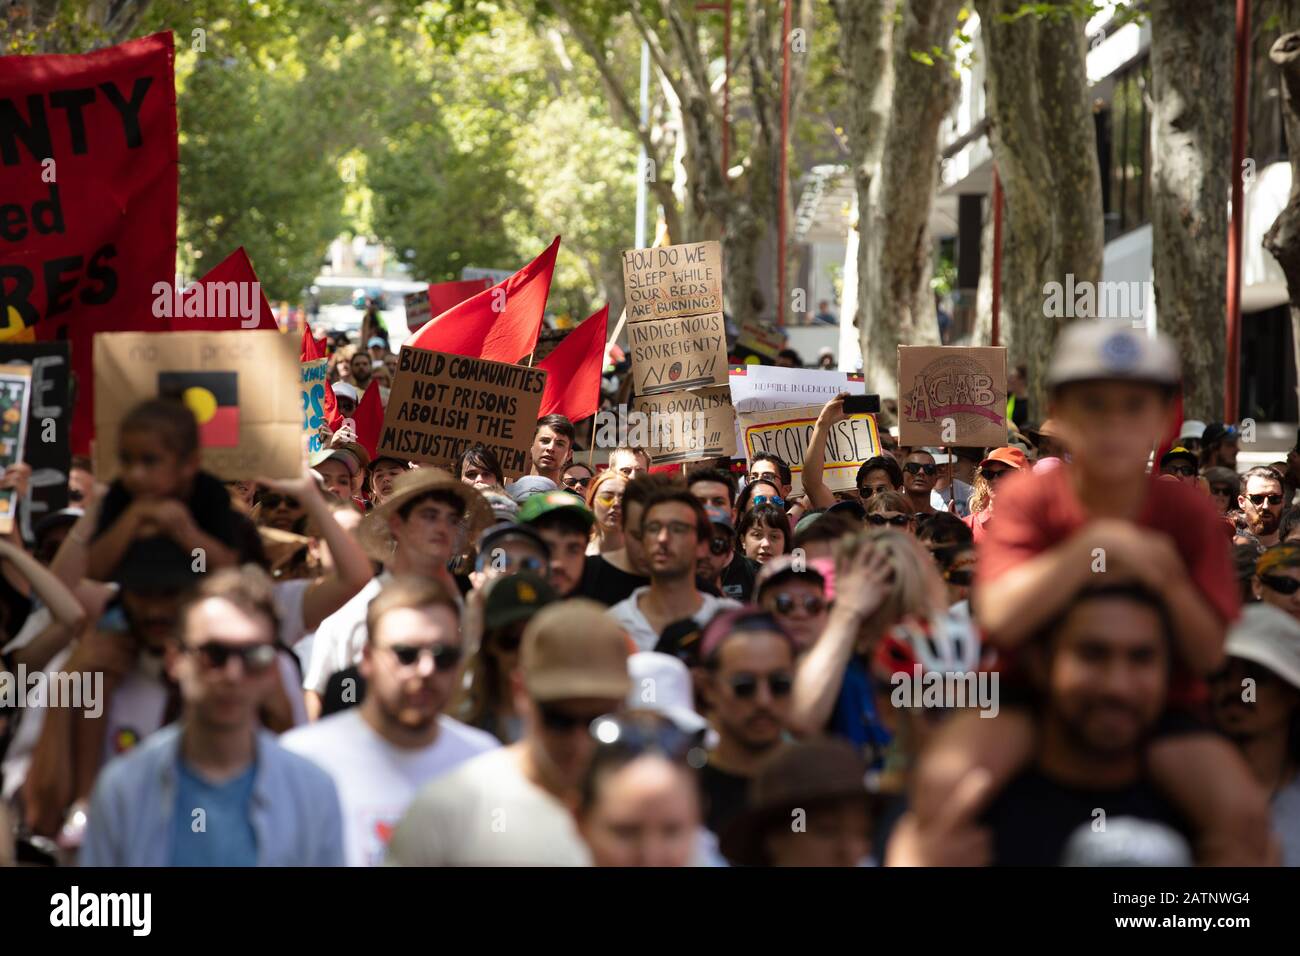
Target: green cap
(548,501)
(515,597)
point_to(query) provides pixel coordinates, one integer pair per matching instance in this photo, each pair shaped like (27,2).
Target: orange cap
(1007,455)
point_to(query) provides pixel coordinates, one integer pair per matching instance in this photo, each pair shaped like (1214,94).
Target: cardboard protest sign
(759,388)
(786,432)
(950,395)
(673,280)
(88,214)
(48,449)
(678,352)
(313,384)
(689,426)
(243,387)
(15,394)
(759,339)
(417,308)
(440,404)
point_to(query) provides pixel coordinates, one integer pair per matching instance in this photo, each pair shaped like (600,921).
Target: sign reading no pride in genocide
(242,386)
(678,352)
(690,426)
(673,280)
(949,395)
(441,404)
(786,432)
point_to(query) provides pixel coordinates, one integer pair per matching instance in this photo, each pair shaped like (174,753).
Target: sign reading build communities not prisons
(441,404)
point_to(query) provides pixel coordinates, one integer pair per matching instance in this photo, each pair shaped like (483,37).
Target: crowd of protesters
(972,658)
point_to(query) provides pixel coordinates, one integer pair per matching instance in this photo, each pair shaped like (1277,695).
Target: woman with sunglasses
(577,478)
(759,492)
(1277,576)
(764,533)
(794,594)
(889,509)
(605,499)
(640,800)
(992,470)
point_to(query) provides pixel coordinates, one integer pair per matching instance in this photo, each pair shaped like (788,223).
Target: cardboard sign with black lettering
(673,280)
(441,404)
(951,395)
(48,448)
(678,352)
(243,388)
(88,208)
(786,432)
(15,394)
(689,426)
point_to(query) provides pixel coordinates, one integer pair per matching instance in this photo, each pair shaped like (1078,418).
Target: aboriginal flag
(213,397)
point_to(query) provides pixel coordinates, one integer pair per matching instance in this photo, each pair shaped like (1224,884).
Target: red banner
(88,205)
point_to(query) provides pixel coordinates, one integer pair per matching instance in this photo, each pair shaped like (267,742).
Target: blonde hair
(915,585)
(980,499)
(593,489)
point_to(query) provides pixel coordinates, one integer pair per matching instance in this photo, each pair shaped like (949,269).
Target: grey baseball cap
(1101,350)
(1270,637)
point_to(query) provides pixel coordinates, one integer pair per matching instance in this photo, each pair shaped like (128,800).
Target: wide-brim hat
(798,775)
(377,538)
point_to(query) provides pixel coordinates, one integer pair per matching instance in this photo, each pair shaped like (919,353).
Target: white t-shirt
(485,813)
(629,615)
(376,780)
(341,637)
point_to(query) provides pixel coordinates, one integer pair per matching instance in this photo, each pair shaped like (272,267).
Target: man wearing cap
(1262,500)
(673,531)
(1112,388)
(1180,463)
(1220,444)
(721,570)
(378,350)
(747,675)
(342,468)
(510,806)
(1049,440)
(506,547)
(1189,436)
(1255,702)
(417,531)
(347,397)
(794,592)
(564,523)
(398,739)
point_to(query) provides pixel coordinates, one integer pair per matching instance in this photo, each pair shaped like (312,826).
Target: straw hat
(374,533)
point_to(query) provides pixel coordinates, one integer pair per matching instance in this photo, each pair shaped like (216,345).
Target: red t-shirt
(1036,512)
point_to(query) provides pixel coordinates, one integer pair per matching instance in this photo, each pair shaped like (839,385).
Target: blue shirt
(212,824)
(855,718)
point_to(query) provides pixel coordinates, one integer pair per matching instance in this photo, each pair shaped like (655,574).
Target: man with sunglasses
(1261,500)
(721,570)
(215,789)
(1225,486)
(398,739)
(674,531)
(920,473)
(748,673)
(510,806)
(1264,657)
(889,509)
(1179,463)
(771,468)
(794,593)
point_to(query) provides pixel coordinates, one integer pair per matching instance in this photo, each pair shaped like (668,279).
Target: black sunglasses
(720,545)
(273,501)
(785,603)
(898,521)
(961,578)
(745,686)
(577,482)
(1260,499)
(443,656)
(1182,471)
(915,468)
(254,658)
(989,475)
(562,723)
(1226,490)
(1280,584)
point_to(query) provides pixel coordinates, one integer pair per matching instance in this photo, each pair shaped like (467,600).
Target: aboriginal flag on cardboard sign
(213,397)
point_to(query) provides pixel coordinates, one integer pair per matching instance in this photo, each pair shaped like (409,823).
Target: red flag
(312,347)
(369,418)
(313,350)
(573,370)
(89,159)
(444,295)
(500,323)
(228,298)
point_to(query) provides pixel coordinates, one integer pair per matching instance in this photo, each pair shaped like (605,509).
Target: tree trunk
(1045,147)
(1283,238)
(1191,177)
(896,253)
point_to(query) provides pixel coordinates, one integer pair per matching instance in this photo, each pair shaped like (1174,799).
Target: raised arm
(814,463)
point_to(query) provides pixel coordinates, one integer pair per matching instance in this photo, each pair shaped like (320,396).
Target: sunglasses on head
(273,501)
(254,658)
(561,722)
(898,521)
(443,656)
(745,686)
(720,545)
(785,603)
(915,468)
(767,500)
(1260,499)
(1279,583)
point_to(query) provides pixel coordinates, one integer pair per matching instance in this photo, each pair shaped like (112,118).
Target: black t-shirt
(603,582)
(724,796)
(737,580)
(1033,819)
